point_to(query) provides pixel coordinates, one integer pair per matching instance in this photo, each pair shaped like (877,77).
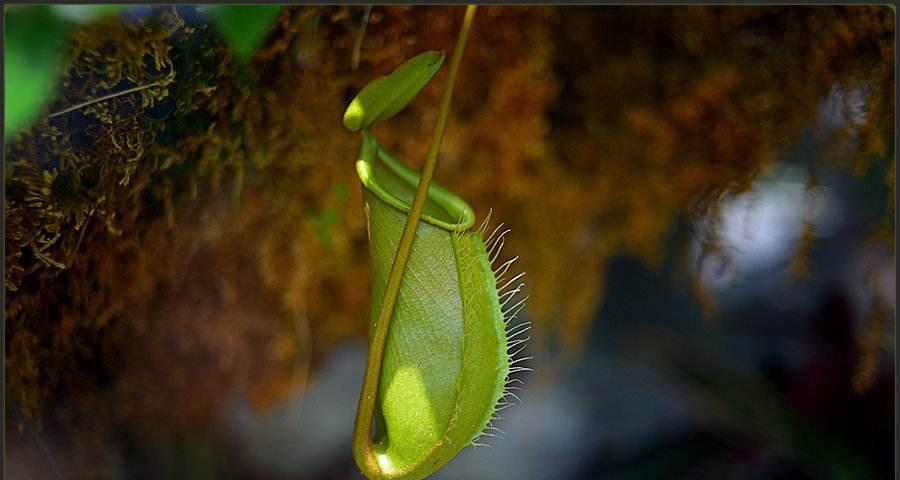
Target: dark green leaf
(244,27)
(32,63)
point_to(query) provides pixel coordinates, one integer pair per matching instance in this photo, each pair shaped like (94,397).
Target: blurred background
(702,198)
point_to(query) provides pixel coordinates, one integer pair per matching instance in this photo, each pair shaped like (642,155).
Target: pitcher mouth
(386,176)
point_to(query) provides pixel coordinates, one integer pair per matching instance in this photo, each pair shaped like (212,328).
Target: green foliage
(32,63)
(244,27)
(384,97)
(36,38)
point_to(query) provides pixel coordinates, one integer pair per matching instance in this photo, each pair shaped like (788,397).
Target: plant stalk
(362,429)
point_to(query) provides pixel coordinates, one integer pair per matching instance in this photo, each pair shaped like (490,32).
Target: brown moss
(674,111)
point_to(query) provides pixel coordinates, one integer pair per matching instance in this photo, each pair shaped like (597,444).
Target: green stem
(362,429)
